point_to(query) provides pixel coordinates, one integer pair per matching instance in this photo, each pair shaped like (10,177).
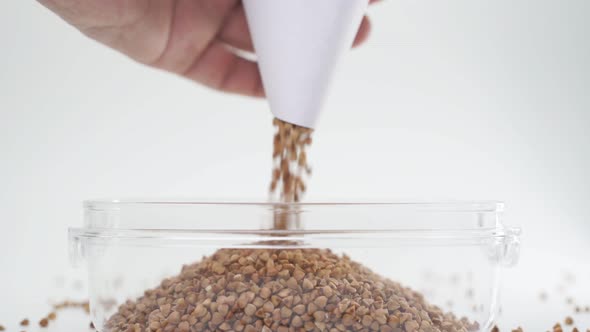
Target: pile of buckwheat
(283,290)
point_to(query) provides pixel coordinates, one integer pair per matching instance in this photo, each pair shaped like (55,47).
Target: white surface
(450,99)
(299,45)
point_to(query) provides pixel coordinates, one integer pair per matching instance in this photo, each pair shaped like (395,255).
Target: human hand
(186,37)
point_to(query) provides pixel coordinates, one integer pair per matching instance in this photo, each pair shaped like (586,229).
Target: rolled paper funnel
(298,44)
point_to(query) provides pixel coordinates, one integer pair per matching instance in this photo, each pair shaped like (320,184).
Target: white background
(455,99)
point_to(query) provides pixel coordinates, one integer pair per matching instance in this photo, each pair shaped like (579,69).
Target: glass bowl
(415,262)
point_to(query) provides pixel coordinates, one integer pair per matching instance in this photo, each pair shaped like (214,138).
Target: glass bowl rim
(444,205)
(498,234)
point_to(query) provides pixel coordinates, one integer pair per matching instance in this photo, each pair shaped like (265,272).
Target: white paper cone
(298,44)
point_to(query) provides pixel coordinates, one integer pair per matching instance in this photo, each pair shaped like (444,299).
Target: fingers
(363,33)
(221,69)
(235,32)
(194,26)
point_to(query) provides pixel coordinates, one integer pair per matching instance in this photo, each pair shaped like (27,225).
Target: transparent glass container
(452,253)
